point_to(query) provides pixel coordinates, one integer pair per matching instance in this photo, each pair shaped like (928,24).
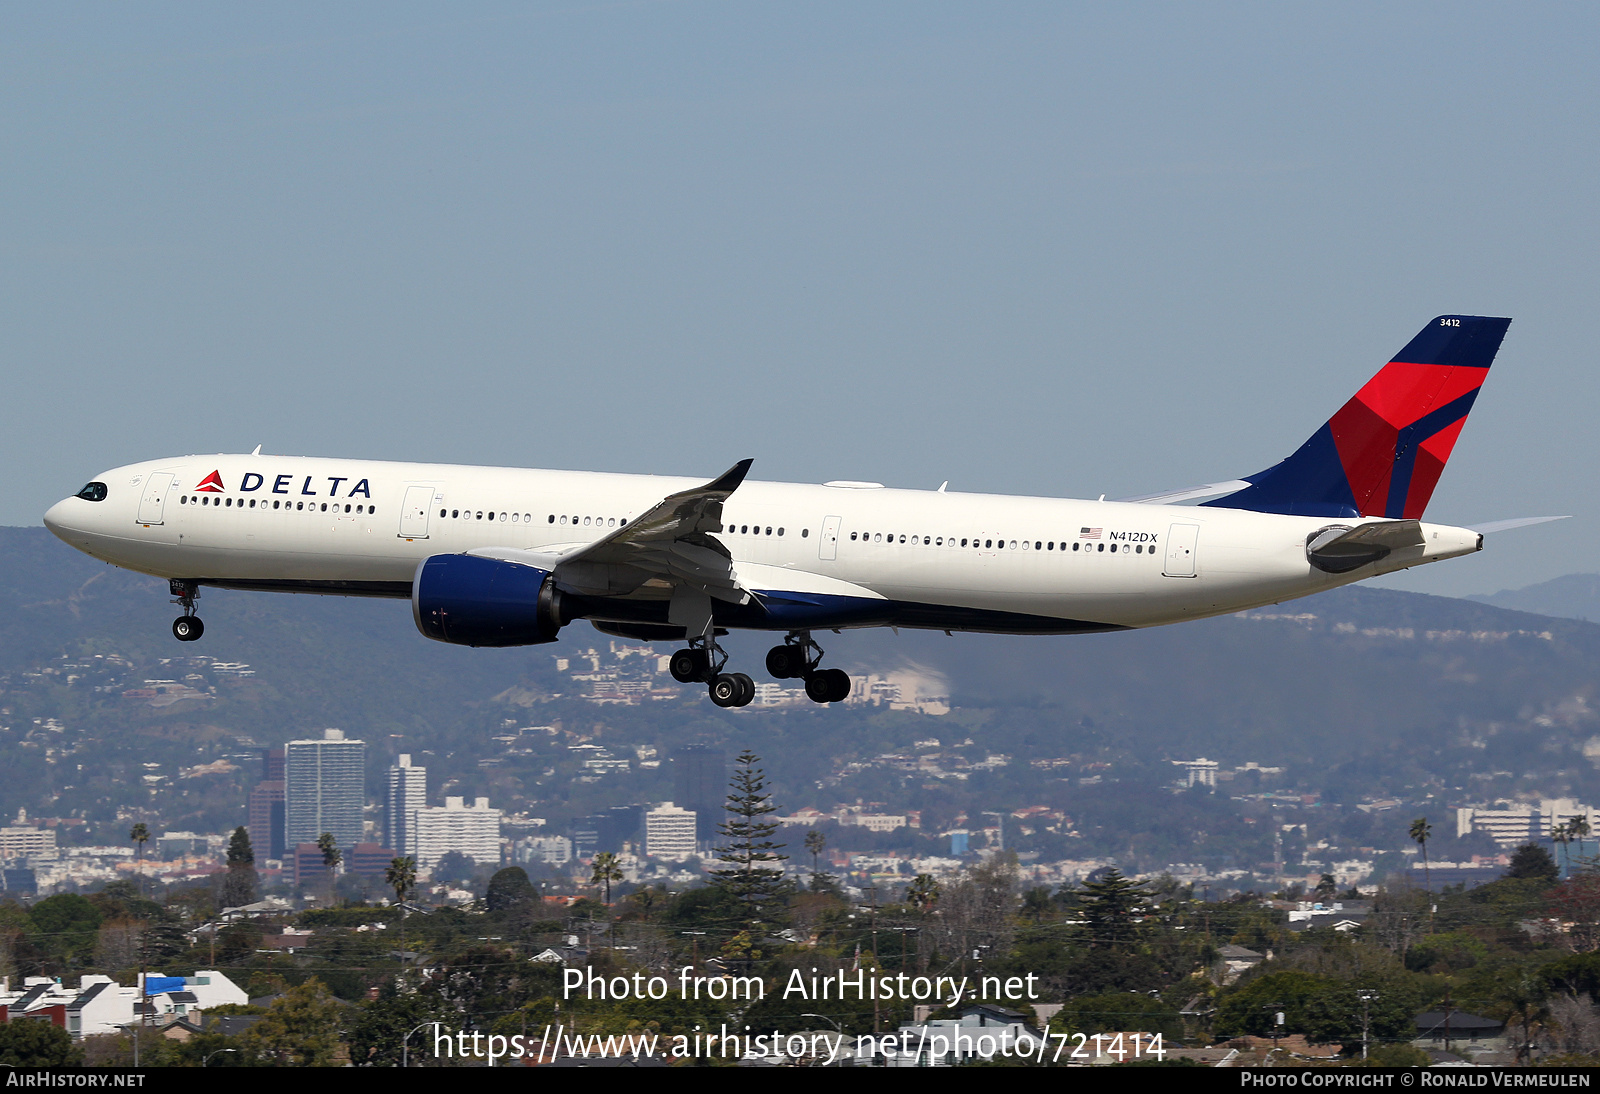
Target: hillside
(1358,694)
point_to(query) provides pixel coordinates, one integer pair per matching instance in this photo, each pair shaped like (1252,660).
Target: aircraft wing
(670,546)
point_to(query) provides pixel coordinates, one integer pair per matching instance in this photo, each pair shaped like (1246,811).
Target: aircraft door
(828,544)
(414,512)
(154,499)
(1182,540)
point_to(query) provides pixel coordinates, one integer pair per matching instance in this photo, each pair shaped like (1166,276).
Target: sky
(1053,249)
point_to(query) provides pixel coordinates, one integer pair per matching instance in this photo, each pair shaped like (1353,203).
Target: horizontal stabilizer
(1193,493)
(1341,548)
(1516,522)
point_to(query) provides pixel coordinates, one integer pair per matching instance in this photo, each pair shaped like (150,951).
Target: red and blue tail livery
(1382,454)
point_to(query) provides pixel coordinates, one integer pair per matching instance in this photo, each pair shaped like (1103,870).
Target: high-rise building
(473,830)
(700,783)
(408,792)
(669,832)
(608,831)
(266,808)
(325,787)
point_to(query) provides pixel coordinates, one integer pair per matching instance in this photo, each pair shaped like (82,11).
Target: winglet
(729,480)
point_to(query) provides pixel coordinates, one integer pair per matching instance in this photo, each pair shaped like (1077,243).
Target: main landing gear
(703,662)
(187,627)
(800,658)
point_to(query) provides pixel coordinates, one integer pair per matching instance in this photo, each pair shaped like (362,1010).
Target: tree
(401,876)
(300,1029)
(1561,834)
(1532,862)
(1420,831)
(37,1044)
(140,835)
(454,866)
(331,857)
(509,888)
(66,927)
(607,868)
(1576,903)
(1111,909)
(815,842)
(754,872)
(240,886)
(1578,828)
(923,892)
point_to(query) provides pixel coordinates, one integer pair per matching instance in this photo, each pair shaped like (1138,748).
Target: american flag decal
(1089,533)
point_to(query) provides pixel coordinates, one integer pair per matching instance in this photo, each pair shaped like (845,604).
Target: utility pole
(1366,998)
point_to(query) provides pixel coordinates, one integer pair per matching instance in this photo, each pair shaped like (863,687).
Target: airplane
(494,556)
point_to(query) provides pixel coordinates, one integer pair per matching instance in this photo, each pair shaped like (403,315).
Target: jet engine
(474,601)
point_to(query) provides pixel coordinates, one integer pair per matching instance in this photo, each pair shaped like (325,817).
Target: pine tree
(241,884)
(1111,909)
(754,872)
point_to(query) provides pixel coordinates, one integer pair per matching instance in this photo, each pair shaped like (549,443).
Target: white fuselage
(963,561)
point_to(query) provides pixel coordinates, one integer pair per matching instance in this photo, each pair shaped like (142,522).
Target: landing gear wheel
(187,628)
(840,691)
(786,662)
(688,666)
(732,689)
(828,686)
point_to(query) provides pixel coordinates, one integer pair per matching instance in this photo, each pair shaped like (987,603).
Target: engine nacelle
(474,601)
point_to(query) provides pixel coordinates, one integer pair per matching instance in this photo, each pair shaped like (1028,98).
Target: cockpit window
(95,491)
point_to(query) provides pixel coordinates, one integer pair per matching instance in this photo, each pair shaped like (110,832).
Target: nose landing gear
(800,658)
(187,627)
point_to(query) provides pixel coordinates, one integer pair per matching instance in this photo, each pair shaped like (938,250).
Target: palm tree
(331,857)
(1420,831)
(606,870)
(140,835)
(815,841)
(401,876)
(1562,834)
(1579,828)
(923,892)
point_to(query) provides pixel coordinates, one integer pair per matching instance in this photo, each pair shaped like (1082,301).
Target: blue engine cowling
(474,601)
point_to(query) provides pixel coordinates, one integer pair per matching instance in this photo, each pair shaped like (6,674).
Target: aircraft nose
(58,518)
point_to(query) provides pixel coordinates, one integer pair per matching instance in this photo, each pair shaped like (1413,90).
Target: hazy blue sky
(1052,249)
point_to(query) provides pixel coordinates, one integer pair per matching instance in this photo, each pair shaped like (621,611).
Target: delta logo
(211,484)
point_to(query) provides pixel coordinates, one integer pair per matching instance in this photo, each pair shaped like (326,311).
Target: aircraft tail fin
(1382,454)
